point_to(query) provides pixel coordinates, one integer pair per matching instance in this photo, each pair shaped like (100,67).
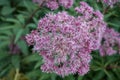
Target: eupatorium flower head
(54,4)
(66,3)
(65,42)
(109,2)
(111,43)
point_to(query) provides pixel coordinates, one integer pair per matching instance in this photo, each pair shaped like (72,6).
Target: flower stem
(16,75)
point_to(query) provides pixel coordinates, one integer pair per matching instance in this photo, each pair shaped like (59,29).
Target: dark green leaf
(15,59)
(38,64)
(3,55)
(23,47)
(32,58)
(6,10)
(18,35)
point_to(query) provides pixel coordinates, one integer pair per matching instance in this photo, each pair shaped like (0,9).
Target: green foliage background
(19,62)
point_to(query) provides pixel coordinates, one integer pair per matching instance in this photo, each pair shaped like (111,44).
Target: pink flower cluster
(54,4)
(65,42)
(111,43)
(109,2)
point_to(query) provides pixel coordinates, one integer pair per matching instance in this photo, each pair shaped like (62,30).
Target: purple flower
(54,4)
(66,3)
(109,2)
(65,42)
(111,43)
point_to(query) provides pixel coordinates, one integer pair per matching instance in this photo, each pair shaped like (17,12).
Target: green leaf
(70,77)
(110,60)
(28,5)
(117,74)
(3,55)
(108,74)
(53,76)
(6,10)
(11,20)
(32,58)
(31,25)
(4,63)
(16,61)
(33,73)
(80,78)
(6,27)
(4,38)
(4,43)
(35,20)
(21,18)
(4,71)
(45,76)
(113,24)
(109,15)
(96,6)
(99,75)
(18,35)
(23,47)
(7,33)
(38,64)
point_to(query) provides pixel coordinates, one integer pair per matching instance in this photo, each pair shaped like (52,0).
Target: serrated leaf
(33,73)
(23,47)
(6,27)
(32,58)
(38,64)
(113,24)
(31,25)
(12,20)
(27,5)
(6,10)
(108,15)
(35,20)
(21,18)
(96,7)
(108,74)
(18,35)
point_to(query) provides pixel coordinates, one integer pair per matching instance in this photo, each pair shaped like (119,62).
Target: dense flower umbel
(93,19)
(111,43)
(54,4)
(65,42)
(109,2)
